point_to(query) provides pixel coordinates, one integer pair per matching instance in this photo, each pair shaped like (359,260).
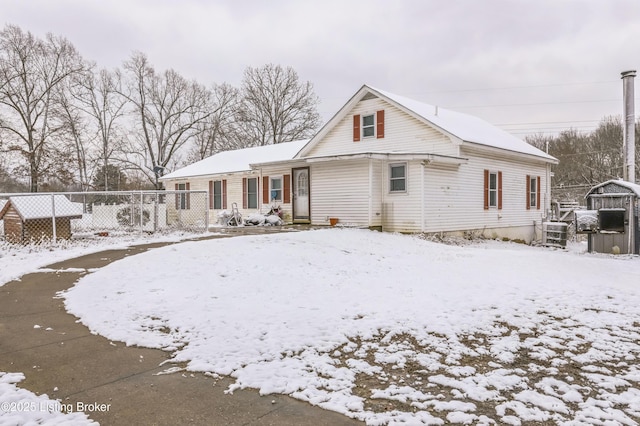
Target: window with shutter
(533,192)
(368,126)
(250,198)
(217,195)
(492,190)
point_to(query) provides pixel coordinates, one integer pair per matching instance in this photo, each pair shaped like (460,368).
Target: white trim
(281,177)
(373,126)
(406,178)
(497,189)
(258,198)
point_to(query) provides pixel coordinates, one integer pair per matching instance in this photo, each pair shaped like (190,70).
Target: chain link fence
(33,218)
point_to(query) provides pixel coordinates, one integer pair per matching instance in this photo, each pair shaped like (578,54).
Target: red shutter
(380,124)
(265,190)
(244,193)
(210,195)
(188,196)
(499,190)
(486,189)
(286,197)
(538,200)
(224,194)
(528,192)
(356,128)
(177,198)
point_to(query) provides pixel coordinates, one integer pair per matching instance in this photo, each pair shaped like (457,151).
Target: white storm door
(301,194)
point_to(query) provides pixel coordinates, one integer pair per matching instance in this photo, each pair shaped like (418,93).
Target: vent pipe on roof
(629,144)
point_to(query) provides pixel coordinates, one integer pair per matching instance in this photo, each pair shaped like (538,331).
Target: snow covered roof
(465,127)
(40,206)
(238,160)
(633,187)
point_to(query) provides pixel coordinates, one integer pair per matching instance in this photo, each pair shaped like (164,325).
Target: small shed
(32,218)
(613,206)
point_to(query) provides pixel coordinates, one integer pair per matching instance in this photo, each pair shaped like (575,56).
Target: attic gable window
(368,126)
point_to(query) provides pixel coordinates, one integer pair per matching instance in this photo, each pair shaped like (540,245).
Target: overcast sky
(519,64)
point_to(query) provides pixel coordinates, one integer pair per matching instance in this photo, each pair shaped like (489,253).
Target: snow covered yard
(20,406)
(388,328)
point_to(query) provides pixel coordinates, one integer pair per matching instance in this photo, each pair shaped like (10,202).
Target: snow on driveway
(388,328)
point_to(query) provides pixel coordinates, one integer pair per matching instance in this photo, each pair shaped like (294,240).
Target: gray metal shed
(614,207)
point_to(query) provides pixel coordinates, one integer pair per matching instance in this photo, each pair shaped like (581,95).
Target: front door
(301,199)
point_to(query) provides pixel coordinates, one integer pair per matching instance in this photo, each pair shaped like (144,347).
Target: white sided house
(391,163)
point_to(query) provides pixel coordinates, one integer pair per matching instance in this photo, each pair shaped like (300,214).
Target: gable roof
(632,187)
(40,207)
(464,127)
(238,160)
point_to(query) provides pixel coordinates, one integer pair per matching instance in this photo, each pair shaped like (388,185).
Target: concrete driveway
(69,363)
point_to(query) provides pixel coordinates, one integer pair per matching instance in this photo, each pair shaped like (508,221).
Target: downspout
(382,197)
(370,191)
(260,192)
(422,196)
(547,192)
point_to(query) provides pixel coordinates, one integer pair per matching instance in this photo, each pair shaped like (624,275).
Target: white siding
(401,210)
(455,198)
(340,189)
(287,214)
(235,191)
(402,133)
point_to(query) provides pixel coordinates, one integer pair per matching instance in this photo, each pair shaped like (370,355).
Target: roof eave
(549,159)
(395,156)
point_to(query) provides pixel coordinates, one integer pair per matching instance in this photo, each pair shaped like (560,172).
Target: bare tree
(31,69)
(277,107)
(168,111)
(75,133)
(217,133)
(97,94)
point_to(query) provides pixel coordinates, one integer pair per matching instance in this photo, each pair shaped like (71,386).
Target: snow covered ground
(20,406)
(388,328)
(384,328)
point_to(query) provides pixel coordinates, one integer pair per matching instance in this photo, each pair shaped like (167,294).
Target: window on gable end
(368,126)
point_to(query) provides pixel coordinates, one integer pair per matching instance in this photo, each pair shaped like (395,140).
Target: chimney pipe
(629,132)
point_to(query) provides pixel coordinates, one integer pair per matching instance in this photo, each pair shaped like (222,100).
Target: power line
(536,104)
(518,87)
